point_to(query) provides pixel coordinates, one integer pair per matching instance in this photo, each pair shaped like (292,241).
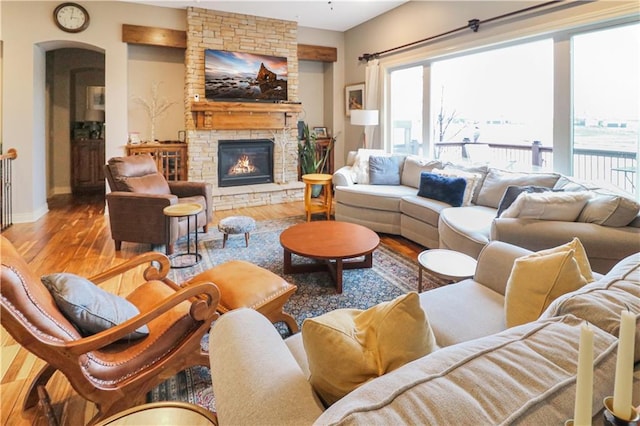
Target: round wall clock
(71,17)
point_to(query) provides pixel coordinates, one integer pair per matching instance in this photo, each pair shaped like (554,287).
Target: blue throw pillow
(90,308)
(385,170)
(447,189)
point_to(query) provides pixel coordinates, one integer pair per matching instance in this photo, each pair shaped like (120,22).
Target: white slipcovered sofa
(483,373)
(609,226)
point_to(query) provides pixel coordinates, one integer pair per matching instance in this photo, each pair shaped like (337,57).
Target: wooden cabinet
(87,161)
(171,157)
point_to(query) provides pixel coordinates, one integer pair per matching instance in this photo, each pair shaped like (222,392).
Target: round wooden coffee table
(446,264)
(331,242)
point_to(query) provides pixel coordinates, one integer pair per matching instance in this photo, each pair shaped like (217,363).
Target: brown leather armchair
(115,374)
(140,193)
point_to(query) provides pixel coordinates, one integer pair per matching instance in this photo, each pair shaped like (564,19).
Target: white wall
(165,66)
(28,31)
(311,83)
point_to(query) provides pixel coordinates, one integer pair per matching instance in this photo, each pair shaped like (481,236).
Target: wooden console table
(171,157)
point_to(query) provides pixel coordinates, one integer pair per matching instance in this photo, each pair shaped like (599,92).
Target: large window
(498,97)
(406,111)
(571,99)
(606,94)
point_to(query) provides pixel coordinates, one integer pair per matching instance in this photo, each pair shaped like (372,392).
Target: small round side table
(166,413)
(447,265)
(317,205)
(181,210)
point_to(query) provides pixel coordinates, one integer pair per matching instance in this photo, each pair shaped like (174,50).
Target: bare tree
(445,119)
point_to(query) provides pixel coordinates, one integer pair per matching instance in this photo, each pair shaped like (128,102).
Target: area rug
(392,275)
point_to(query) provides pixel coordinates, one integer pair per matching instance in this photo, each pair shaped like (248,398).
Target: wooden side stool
(322,205)
(236,225)
(245,285)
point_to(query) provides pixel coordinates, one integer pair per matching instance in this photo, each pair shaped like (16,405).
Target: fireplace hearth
(245,162)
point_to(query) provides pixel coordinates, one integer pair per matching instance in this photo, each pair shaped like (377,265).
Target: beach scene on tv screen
(244,76)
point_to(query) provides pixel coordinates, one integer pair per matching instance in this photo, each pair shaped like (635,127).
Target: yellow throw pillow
(537,280)
(347,347)
(580,256)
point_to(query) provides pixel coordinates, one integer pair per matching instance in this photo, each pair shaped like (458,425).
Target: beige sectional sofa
(482,374)
(609,228)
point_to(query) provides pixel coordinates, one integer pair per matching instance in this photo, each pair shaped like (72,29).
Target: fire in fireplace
(245,162)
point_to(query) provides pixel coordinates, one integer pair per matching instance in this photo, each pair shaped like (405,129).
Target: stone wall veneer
(207,29)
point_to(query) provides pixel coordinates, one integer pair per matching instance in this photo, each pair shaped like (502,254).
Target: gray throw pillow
(89,307)
(512,193)
(385,170)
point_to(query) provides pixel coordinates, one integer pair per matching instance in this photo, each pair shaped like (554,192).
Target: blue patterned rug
(392,275)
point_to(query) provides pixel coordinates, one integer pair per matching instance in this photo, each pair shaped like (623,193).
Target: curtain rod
(474,24)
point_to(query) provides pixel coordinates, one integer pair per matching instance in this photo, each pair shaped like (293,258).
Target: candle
(624,366)
(584,381)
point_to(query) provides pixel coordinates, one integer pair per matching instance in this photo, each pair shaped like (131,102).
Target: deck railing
(616,167)
(6,199)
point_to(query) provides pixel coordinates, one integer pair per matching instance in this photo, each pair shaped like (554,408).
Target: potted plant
(311,160)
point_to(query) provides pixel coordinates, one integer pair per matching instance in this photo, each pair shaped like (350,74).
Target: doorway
(75,121)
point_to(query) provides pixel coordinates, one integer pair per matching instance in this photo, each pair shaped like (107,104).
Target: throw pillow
(385,170)
(497,182)
(89,307)
(414,166)
(472,180)
(449,190)
(610,210)
(360,168)
(561,206)
(537,280)
(580,255)
(512,193)
(347,347)
(482,171)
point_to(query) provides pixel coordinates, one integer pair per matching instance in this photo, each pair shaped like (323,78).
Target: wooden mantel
(244,115)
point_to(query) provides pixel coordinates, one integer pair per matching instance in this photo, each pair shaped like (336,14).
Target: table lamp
(364,117)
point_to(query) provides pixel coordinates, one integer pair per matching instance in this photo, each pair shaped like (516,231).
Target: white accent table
(445,264)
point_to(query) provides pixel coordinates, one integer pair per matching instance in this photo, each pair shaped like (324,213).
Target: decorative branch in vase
(282,141)
(156,107)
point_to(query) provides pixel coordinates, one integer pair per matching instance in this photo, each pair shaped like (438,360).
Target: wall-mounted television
(236,76)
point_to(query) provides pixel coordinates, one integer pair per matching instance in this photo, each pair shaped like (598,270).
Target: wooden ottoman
(245,285)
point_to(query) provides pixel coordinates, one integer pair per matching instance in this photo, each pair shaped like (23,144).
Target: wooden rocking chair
(115,374)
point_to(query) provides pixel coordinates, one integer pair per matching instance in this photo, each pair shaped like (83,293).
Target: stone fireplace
(245,162)
(211,125)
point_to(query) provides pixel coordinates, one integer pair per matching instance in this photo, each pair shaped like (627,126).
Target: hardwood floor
(74,236)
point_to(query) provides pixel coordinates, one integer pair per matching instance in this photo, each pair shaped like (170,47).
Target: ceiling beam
(153,36)
(308,52)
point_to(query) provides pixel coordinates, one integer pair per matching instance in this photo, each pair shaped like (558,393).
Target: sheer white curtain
(372,101)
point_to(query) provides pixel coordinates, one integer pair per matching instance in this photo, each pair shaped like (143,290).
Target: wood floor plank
(74,236)
(9,354)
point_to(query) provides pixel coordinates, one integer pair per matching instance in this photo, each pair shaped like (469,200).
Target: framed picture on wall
(354,97)
(95,97)
(320,132)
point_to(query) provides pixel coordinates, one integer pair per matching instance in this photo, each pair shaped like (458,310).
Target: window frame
(561,35)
